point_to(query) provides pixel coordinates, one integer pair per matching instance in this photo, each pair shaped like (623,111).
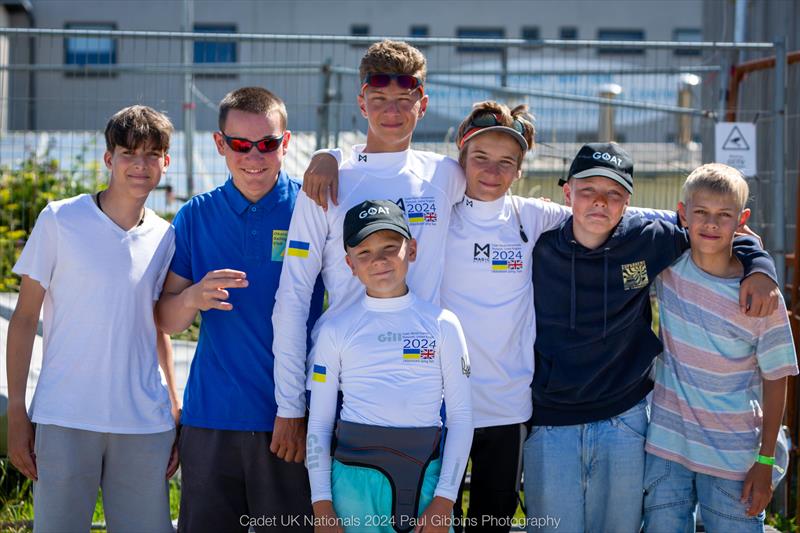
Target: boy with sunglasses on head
(423,184)
(230,247)
(103,418)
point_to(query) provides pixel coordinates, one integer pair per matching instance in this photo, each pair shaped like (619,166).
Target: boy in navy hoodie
(584,458)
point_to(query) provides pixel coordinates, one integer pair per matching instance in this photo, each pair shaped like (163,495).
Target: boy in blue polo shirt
(229,252)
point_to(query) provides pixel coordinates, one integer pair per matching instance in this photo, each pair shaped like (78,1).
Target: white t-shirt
(393,359)
(424,184)
(488,285)
(100,365)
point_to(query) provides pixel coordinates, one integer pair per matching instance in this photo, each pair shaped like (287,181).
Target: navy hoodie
(594,345)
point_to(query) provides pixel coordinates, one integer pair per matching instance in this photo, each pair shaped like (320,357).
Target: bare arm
(758,483)
(21,334)
(180,300)
(166,362)
(321,179)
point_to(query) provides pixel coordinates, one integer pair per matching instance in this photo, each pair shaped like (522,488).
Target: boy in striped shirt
(720,385)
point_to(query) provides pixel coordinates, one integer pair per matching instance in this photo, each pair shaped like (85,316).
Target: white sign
(735,144)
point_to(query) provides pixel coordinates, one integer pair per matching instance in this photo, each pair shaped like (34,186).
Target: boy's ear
(682,214)
(362,105)
(349,263)
(166,162)
(423,106)
(107,159)
(567,195)
(219,142)
(744,217)
(412,250)
(285,145)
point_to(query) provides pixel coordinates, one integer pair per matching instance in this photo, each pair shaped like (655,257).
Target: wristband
(764,460)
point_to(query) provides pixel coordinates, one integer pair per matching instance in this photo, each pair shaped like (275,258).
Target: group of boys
(98,263)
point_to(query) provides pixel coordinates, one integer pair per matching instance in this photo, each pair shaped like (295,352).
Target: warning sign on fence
(735,144)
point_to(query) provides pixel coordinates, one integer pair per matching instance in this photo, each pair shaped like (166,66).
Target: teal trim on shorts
(362,496)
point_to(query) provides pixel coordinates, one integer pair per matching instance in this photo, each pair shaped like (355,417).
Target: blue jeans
(587,477)
(672,493)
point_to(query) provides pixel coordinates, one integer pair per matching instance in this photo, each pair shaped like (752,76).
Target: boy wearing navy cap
(594,346)
(395,357)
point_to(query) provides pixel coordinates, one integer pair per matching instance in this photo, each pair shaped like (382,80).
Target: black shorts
(230,481)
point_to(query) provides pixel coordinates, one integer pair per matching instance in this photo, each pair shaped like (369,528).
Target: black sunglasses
(243,146)
(404,81)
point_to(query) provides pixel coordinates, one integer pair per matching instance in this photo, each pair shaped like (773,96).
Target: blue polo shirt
(230,382)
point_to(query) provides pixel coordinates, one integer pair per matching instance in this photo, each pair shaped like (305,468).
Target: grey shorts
(131,470)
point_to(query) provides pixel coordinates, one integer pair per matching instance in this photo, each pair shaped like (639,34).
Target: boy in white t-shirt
(103,418)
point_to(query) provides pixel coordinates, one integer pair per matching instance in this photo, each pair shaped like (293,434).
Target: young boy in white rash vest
(423,184)
(394,356)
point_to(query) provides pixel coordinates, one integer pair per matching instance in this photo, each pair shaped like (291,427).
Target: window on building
(479,33)
(359,30)
(530,33)
(419,31)
(215,51)
(687,35)
(620,35)
(568,33)
(90,50)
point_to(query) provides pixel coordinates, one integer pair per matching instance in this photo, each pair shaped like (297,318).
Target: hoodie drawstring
(572,303)
(605,290)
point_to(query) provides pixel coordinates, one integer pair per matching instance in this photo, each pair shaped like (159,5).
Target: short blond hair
(393,57)
(505,117)
(718,179)
(256,100)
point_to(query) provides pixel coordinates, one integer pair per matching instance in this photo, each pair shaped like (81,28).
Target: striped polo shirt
(706,412)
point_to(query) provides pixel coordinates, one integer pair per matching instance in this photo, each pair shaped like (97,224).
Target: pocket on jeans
(634,420)
(656,470)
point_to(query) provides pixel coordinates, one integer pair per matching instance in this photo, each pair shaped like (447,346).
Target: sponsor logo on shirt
(465,368)
(320,373)
(420,210)
(499,257)
(298,249)
(279,244)
(634,276)
(362,158)
(418,347)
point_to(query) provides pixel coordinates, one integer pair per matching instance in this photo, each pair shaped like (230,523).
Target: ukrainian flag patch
(499,266)
(298,249)
(415,218)
(319,373)
(411,354)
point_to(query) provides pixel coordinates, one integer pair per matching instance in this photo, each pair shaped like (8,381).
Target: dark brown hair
(138,126)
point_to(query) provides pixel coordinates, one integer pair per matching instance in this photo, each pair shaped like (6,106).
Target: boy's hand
(325,519)
(437,517)
(747,230)
(174,459)
(757,488)
(289,439)
(20,442)
(758,295)
(210,293)
(321,178)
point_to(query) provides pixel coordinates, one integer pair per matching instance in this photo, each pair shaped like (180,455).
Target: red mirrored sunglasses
(243,146)
(404,81)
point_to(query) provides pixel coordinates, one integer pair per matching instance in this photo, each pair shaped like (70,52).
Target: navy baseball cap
(368,217)
(603,159)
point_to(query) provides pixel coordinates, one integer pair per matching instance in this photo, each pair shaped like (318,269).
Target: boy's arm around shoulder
(321,178)
(758,295)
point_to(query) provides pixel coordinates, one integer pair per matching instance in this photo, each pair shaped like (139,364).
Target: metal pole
(779,174)
(187,48)
(323,110)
